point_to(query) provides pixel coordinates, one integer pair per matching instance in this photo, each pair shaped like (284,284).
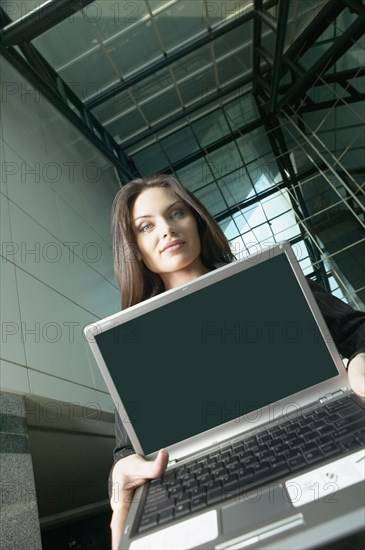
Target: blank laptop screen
(216,354)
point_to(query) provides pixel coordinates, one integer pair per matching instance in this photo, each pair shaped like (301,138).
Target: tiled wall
(56,259)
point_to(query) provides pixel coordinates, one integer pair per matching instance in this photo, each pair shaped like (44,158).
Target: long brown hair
(136,281)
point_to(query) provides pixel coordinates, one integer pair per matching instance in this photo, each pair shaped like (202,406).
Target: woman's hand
(128,474)
(356,372)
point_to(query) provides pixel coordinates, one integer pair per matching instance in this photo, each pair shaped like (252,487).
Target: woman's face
(166,231)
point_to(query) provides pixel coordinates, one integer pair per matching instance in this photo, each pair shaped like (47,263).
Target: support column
(19,522)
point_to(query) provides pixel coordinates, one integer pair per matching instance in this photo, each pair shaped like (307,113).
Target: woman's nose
(167,228)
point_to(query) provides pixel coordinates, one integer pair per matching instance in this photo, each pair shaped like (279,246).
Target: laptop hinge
(331,395)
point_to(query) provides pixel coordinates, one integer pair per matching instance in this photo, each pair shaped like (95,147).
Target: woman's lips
(173,246)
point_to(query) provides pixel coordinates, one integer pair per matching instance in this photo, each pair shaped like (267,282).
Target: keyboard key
(148,522)
(313,456)
(293,453)
(183,497)
(264,477)
(176,491)
(350,410)
(261,466)
(217,495)
(296,462)
(166,504)
(198,502)
(264,437)
(327,429)
(219,471)
(348,430)
(155,482)
(350,443)
(182,510)
(309,447)
(166,515)
(330,449)
(197,491)
(189,485)
(277,461)
(213,485)
(246,473)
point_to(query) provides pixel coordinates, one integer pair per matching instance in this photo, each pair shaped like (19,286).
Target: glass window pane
(254,214)
(285,227)
(191,63)
(211,127)
(212,199)
(150,160)
(195,175)
(233,39)
(152,85)
(66,41)
(276,204)
(179,145)
(226,159)
(114,107)
(241,111)
(230,68)
(179,22)
(198,87)
(236,187)
(123,128)
(111,17)
(135,48)
(161,106)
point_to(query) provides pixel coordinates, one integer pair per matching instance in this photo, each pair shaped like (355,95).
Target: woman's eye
(177,213)
(145,228)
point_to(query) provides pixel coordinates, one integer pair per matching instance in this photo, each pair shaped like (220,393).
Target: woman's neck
(185,275)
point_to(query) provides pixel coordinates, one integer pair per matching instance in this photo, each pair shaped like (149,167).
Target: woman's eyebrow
(151,215)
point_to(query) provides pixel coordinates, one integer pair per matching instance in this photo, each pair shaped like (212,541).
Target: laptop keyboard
(232,470)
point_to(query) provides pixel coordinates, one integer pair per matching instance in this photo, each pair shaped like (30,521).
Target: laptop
(236,375)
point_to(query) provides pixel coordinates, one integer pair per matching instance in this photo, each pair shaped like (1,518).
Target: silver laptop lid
(202,363)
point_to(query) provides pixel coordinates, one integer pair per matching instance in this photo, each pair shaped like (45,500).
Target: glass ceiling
(187,103)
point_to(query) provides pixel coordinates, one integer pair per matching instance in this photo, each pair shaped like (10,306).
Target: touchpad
(254,507)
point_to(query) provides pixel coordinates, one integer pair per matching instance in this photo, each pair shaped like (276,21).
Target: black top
(345,324)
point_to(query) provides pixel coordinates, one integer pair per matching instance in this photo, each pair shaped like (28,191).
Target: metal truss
(39,20)
(267,86)
(291,182)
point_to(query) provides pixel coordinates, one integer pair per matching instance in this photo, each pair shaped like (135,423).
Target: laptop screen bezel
(233,428)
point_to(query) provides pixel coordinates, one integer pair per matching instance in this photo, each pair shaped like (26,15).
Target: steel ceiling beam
(312,107)
(338,48)
(355,6)
(330,11)
(282,19)
(39,20)
(332,78)
(171,57)
(305,40)
(256,45)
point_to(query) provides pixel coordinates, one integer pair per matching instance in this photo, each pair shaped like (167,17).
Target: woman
(164,237)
